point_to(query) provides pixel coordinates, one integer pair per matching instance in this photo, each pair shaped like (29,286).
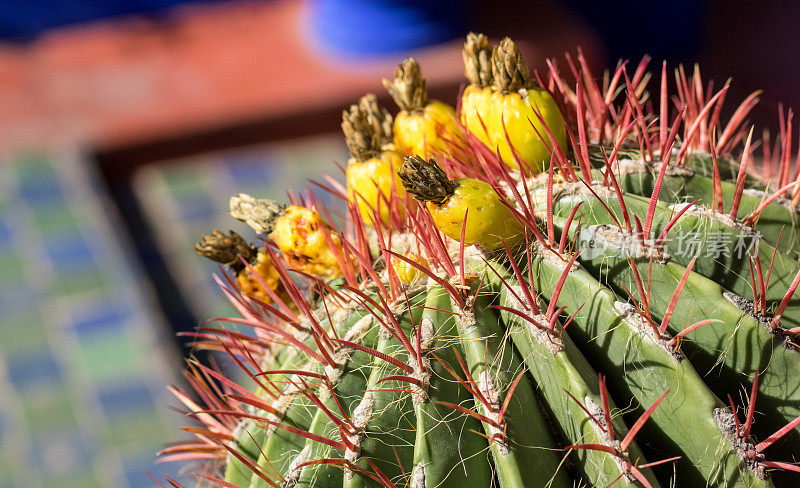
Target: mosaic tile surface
(84,356)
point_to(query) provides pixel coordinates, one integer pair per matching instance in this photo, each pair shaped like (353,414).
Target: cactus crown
(477,55)
(367,128)
(408,87)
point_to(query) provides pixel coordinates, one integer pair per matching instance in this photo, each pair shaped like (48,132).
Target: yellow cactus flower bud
(489,221)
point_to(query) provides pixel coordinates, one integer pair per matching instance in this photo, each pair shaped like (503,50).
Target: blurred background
(125,125)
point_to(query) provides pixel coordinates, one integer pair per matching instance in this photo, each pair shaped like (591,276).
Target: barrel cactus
(576,284)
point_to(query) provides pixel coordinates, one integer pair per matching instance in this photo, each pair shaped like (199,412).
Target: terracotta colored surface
(127,81)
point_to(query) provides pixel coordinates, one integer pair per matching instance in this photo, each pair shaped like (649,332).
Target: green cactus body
(715,350)
(347,392)
(775,220)
(563,338)
(556,365)
(443,456)
(390,429)
(721,249)
(527,457)
(613,335)
(236,471)
(709,298)
(723,351)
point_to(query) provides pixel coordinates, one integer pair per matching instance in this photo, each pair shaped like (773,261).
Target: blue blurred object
(366,28)
(24,19)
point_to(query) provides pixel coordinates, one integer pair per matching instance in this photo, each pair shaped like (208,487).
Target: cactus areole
(621,311)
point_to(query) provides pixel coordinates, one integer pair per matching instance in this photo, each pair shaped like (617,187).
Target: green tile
(84,281)
(81,479)
(184,181)
(137,431)
(110,355)
(55,218)
(220,308)
(5,470)
(34,167)
(12,266)
(22,332)
(48,408)
(6,200)
(265,191)
(302,170)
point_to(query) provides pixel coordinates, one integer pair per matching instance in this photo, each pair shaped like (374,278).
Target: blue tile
(211,282)
(136,470)
(65,251)
(200,208)
(6,233)
(101,318)
(32,368)
(325,198)
(136,475)
(247,169)
(133,396)
(45,191)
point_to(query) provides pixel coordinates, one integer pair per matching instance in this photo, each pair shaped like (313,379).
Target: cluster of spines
(634,130)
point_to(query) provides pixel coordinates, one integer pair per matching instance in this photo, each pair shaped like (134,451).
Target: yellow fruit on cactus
(489,222)
(372,180)
(370,184)
(300,235)
(267,274)
(478,100)
(233,251)
(408,273)
(502,105)
(524,111)
(423,127)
